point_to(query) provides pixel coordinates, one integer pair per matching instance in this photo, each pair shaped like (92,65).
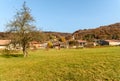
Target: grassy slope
(98,64)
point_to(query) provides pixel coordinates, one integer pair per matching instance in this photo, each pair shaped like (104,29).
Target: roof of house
(112,40)
(5,42)
(34,42)
(81,41)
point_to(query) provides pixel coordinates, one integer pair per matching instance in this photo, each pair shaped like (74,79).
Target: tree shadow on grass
(11,55)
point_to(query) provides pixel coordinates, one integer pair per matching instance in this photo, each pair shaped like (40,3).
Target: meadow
(87,64)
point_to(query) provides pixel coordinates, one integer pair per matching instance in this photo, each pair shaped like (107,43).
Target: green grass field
(88,64)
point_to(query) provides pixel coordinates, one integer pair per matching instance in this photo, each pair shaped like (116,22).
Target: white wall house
(4,43)
(82,43)
(113,42)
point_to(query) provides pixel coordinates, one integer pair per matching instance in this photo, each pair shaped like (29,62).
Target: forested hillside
(104,32)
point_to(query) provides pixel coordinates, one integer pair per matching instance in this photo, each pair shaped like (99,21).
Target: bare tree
(22,28)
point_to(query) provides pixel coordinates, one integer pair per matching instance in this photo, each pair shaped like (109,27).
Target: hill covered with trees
(103,32)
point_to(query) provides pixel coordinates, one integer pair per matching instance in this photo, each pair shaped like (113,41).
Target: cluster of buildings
(80,43)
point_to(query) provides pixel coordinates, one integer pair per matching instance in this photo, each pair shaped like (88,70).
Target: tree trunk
(25,52)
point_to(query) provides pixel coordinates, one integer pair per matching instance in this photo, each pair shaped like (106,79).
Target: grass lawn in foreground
(88,64)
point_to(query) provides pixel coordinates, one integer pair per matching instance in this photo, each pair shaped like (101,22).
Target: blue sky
(64,15)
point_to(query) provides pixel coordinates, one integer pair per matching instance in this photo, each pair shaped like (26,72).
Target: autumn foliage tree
(22,28)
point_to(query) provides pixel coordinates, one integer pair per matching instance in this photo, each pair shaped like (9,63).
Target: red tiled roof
(34,42)
(81,41)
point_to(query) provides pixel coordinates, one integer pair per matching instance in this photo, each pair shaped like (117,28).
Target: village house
(76,43)
(113,42)
(82,43)
(4,44)
(56,45)
(37,45)
(110,42)
(34,45)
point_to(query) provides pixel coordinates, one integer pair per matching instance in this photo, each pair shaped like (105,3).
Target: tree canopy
(22,28)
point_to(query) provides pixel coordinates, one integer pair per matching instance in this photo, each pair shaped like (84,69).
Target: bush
(73,43)
(50,45)
(6,52)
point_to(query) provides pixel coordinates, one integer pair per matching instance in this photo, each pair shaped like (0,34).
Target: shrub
(6,52)
(73,43)
(50,45)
